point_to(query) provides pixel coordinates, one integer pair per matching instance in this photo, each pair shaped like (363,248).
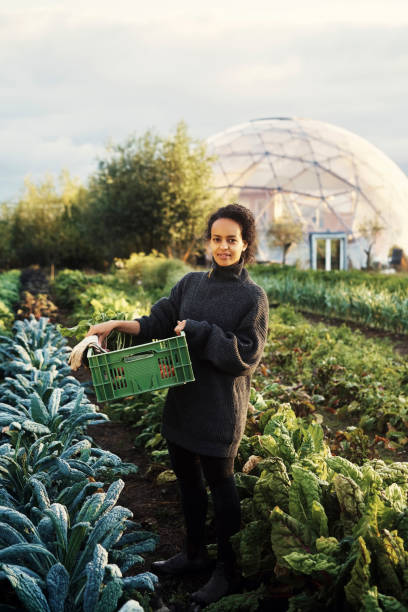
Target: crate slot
(166,368)
(118,378)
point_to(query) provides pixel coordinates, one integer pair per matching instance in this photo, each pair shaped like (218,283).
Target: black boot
(184,562)
(224,581)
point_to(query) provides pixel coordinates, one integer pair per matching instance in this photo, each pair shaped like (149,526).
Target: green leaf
(304,501)
(288,535)
(27,589)
(249,544)
(359,582)
(95,571)
(39,412)
(328,546)
(370,601)
(391,604)
(343,466)
(165,477)
(57,586)
(272,488)
(351,500)
(111,593)
(305,563)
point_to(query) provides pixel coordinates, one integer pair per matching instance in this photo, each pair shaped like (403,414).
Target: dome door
(328,251)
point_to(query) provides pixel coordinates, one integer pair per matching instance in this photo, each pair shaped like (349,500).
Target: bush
(154,272)
(9,296)
(68,285)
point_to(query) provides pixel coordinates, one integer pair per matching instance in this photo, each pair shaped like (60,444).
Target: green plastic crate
(147,367)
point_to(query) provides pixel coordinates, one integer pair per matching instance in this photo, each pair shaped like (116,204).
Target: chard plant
(332,532)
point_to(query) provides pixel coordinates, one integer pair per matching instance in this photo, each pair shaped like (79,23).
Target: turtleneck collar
(226,272)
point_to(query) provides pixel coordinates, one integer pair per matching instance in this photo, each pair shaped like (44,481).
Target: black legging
(191,469)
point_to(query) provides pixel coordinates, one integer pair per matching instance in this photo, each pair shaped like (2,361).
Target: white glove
(76,356)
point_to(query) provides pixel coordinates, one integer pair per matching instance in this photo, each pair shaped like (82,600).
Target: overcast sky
(77,74)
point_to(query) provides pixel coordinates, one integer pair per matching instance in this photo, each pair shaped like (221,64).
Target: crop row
(374,300)
(374,306)
(335,370)
(65,544)
(392,283)
(96,298)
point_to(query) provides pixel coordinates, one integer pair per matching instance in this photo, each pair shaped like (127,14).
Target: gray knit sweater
(226,317)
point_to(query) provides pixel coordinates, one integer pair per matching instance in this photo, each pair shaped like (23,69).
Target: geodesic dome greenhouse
(326,179)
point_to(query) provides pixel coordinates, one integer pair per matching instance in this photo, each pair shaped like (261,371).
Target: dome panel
(306,181)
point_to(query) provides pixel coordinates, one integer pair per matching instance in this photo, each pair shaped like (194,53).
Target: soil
(156,508)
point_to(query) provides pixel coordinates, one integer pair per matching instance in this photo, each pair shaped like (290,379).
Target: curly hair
(245,219)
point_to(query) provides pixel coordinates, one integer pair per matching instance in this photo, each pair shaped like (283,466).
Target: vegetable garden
(321,470)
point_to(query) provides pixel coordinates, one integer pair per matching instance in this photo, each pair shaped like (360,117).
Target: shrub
(154,272)
(67,286)
(9,295)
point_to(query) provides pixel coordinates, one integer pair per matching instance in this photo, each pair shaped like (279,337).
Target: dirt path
(155,507)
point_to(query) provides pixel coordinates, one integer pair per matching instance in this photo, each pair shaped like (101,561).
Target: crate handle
(97,348)
(138,356)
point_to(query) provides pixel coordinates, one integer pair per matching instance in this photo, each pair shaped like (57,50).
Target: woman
(224,315)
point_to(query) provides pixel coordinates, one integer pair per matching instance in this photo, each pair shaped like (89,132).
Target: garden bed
(400,341)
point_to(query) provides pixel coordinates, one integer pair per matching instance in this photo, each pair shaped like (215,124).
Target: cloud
(73,78)
(292,13)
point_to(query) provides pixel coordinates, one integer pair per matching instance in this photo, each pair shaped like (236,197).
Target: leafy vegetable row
(95,298)
(335,370)
(393,283)
(374,306)
(65,544)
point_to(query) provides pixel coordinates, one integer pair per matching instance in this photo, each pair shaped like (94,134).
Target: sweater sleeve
(235,352)
(163,316)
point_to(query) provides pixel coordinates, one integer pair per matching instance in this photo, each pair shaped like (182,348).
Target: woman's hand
(102,330)
(179,327)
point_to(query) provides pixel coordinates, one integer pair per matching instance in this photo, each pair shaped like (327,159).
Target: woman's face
(226,242)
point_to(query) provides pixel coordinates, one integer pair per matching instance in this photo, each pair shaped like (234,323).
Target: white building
(327,178)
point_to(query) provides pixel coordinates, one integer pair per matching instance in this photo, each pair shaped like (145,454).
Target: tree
(284,233)
(152,193)
(41,225)
(370,229)
(6,250)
